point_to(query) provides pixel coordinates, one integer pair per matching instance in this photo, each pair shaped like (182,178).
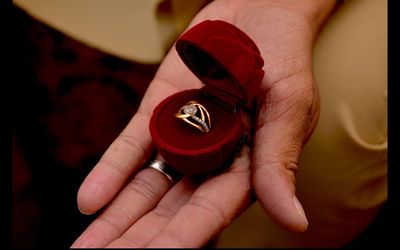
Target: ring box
(229,64)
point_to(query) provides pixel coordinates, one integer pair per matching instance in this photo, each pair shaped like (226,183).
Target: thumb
(287,115)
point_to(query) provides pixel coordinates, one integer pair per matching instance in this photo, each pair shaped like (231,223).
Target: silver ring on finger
(172,175)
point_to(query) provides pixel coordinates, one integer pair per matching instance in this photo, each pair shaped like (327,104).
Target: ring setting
(196,115)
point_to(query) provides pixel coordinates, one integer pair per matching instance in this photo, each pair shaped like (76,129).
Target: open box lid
(224,58)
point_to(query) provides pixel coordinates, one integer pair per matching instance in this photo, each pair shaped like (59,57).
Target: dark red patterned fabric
(70,103)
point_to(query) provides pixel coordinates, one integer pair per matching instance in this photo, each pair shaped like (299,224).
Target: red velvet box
(228,62)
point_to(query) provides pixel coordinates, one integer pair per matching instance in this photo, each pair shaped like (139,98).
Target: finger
(139,196)
(133,147)
(150,225)
(283,122)
(125,155)
(211,208)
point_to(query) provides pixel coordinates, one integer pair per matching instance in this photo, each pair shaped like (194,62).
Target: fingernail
(83,212)
(300,210)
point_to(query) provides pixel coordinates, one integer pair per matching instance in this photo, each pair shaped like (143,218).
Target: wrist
(317,12)
(313,12)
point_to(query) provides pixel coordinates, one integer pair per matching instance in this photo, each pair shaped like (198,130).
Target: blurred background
(71,101)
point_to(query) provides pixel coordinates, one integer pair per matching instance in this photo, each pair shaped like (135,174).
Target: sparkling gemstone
(190,109)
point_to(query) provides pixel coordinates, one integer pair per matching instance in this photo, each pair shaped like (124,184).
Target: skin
(141,208)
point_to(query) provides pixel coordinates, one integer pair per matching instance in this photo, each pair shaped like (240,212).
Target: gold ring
(196,115)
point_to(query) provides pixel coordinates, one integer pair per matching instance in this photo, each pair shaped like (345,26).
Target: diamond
(190,109)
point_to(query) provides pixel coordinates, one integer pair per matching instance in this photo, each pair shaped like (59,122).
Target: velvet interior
(224,58)
(219,81)
(178,134)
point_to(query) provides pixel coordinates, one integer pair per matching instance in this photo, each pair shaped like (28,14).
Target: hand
(145,211)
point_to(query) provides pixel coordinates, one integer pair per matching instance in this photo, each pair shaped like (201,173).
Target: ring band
(160,166)
(196,115)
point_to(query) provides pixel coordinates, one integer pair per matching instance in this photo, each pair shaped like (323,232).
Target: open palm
(143,209)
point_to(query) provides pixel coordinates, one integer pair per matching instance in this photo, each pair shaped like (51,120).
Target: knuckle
(118,152)
(143,187)
(178,241)
(291,168)
(287,168)
(133,243)
(205,204)
(164,212)
(110,224)
(110,164)
(132,142)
